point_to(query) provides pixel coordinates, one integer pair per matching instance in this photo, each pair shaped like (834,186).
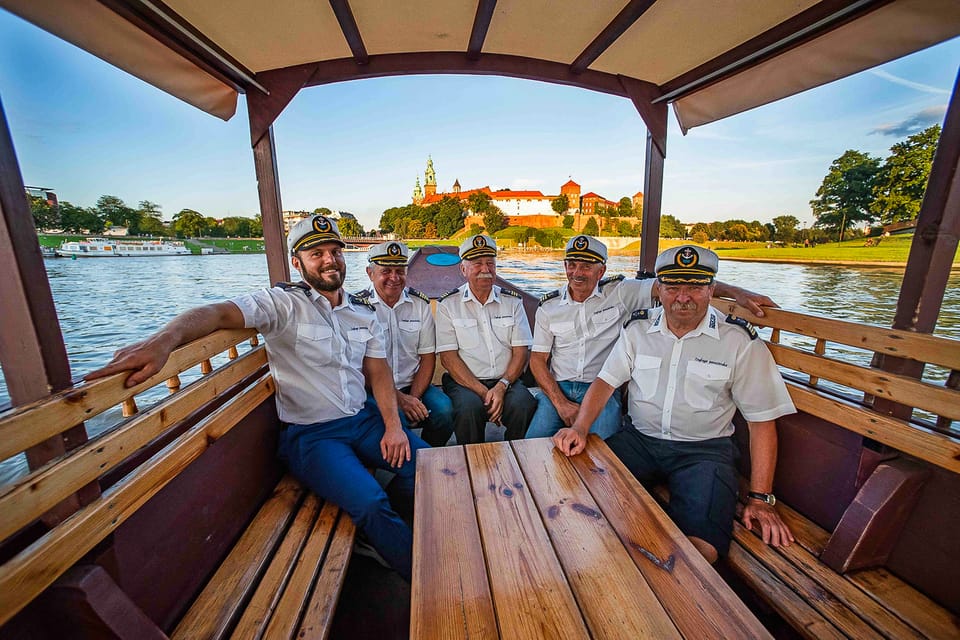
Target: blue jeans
(546,421)
(331,458)
(438,427)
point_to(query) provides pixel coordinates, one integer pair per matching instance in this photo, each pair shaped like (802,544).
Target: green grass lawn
(233,245)
(893,249)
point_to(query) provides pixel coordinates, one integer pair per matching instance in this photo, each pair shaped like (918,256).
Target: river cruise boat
(104,248)
(179,522)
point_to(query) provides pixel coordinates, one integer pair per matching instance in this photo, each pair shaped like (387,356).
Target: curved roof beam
(283,84)
(481,23)
(617,27)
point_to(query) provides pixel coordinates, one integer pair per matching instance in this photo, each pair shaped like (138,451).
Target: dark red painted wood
(348,25)
(617,27)
(283,85)
(642,94)
(652,200)
(481,23)
(268,188)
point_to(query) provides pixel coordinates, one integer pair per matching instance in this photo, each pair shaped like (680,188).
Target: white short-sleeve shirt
(409,331)
(482,334)
(579,335)
(689,388)
(316,352)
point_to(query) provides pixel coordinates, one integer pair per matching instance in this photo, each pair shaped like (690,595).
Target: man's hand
(395,447)
(411,407)
(773,530)
(568,411)
(569,441)
(752,301)
(143,358)
(493,401)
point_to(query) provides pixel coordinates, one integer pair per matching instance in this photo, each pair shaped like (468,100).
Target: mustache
(684,306)
(485,276)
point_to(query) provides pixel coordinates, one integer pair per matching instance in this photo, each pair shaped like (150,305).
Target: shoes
(363,548)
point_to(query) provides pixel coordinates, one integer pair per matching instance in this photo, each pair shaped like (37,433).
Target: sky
(86,129)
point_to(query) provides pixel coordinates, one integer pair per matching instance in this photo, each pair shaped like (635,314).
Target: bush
(552,238)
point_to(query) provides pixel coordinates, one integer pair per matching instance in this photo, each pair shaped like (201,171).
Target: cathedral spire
(417,193)
(430,178)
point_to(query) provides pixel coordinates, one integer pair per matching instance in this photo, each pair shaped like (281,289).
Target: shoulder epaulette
(549,296)
(363,293)
(511,293)
(616,278)
(356,298)
(639,314)
(743,324)
(290,286)
(447,295)
(417,294)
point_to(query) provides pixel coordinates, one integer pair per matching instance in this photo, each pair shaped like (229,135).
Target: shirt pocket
(468,335)
(358,338)
(646,374)
(409,325)
(704,383)
(604,318)
(503,328)
(564,333)
(315,343)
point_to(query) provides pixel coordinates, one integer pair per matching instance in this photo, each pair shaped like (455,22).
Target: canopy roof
(709,59)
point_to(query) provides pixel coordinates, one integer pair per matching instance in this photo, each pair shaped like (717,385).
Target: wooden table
(514,540)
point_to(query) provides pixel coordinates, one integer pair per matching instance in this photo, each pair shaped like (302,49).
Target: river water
(107,303)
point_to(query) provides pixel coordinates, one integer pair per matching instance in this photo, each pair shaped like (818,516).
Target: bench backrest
(142,469)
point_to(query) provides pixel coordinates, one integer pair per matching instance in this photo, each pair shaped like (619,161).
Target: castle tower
(417,193)
(456,186)
(430,182)
(572,190)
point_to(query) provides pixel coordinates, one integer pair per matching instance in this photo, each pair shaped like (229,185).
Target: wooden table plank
(450,593)
(615,599)
(697,599)
(530,591)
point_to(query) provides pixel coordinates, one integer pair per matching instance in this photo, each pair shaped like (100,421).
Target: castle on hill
(521,208)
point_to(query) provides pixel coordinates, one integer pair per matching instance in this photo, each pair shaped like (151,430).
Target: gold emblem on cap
(479,242)
(321,224)
(687,257)
(580,243)
(393,249)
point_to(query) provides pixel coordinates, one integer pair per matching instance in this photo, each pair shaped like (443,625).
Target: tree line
(863,189)
(143,220)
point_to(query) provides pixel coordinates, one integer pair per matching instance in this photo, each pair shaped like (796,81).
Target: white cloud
(908,83)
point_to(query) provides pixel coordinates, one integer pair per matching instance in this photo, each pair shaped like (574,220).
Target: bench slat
(698,607)
(212,613)
(459,602)
(615,599)
(916,609)
(25,426)
(256,615)
(829,581)
(295,596)
(29,497)
(882,384)
(806,620)
(318,616)
(23,577)
(821,599)
(523,575)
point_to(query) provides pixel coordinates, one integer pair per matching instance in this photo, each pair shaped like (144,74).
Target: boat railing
(128,463)
(825,381)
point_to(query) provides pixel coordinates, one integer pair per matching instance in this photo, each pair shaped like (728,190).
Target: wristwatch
(769,498)
(506,383)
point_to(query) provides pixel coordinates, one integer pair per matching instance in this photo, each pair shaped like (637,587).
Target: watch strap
(769,498)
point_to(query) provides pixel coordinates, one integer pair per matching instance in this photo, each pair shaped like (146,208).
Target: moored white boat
(103,248)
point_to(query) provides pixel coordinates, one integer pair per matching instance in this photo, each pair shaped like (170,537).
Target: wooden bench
(139,557)
(835,584)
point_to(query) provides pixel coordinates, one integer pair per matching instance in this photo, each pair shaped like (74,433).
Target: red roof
(638,194)
(463,195)
(593,195)
(569,183)
(517,194)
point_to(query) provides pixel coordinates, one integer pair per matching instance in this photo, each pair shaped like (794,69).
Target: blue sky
(88,129)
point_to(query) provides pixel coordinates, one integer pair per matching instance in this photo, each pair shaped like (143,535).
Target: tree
(113,210)
(845,196)
(568,222)
(475,229)
(78,219)
(188,223)
(349,227)
(256,227)
(480,203)
(700,237)
(430,231)
(560,204)
(625,207)
(591,228)
(494,220)
(785,228)
(414,229)
(902,181)
(671,227)
(45,215)
(150,220)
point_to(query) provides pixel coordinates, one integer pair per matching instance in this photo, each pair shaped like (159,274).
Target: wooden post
(173,384)
(652,199)
(206,367)
(271,210)
(32,353)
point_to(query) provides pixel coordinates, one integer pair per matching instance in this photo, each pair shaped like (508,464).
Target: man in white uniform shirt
(576,328)
(322,344)
(483,337)
(690,368)
(411,340)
